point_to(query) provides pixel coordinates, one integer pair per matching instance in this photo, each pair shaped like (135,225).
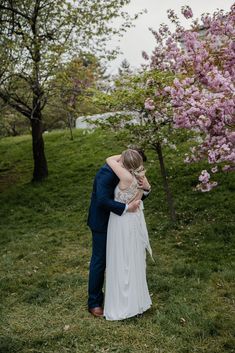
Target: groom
(102,203)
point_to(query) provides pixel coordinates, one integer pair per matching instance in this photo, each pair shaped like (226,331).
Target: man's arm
(106,201)
(117,207)
(104,196)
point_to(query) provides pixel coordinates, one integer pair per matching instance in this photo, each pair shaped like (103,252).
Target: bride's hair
(132,161)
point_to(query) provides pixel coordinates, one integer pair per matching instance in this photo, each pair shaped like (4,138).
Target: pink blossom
(232,137)
(187,11)
(204,177)
(149,104)
(214,169)
(205,187)
(226,168)
(187,160)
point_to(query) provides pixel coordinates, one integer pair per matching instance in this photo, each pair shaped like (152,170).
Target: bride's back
(131,193)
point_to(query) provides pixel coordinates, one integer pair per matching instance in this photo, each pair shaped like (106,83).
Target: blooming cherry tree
(202,94)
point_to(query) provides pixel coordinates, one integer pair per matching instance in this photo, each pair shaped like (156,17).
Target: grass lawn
(45,248)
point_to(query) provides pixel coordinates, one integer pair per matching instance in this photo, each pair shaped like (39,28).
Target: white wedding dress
(126,290)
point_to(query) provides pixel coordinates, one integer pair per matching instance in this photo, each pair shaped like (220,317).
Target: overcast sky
(140,38)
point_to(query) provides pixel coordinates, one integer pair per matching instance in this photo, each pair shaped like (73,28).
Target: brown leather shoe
(97,311)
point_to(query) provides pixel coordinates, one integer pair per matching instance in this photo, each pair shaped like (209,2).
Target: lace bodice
(129,194)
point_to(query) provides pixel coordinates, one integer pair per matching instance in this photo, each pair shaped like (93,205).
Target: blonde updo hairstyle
(133,162)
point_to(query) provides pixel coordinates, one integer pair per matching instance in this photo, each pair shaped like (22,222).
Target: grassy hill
(45,249)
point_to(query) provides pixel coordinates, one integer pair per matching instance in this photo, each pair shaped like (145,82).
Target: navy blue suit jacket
(102,200)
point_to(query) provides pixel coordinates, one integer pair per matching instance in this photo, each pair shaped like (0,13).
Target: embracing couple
(119,238)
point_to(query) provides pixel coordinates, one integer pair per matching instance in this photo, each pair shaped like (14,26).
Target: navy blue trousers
(97,270)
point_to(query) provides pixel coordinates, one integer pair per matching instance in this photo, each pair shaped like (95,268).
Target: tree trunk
(70,125)
(14,131)
(40,164)
(169,197)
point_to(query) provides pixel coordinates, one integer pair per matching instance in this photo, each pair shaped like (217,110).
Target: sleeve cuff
(125,210)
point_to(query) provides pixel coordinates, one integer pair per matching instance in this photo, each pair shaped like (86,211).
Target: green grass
(46,247)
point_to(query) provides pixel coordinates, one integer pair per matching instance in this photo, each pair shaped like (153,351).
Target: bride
(126,290)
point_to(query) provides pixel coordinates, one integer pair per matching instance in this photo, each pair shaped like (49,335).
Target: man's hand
(144,184)
(133,206)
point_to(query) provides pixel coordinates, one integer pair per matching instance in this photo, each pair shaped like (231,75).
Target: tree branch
(17,12)
(17,105)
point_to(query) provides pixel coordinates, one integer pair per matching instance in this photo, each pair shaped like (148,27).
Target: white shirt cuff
(125,210)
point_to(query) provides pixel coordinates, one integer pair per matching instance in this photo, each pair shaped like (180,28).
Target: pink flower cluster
(149,104)
(205,185)
(202,94)
(187,11)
